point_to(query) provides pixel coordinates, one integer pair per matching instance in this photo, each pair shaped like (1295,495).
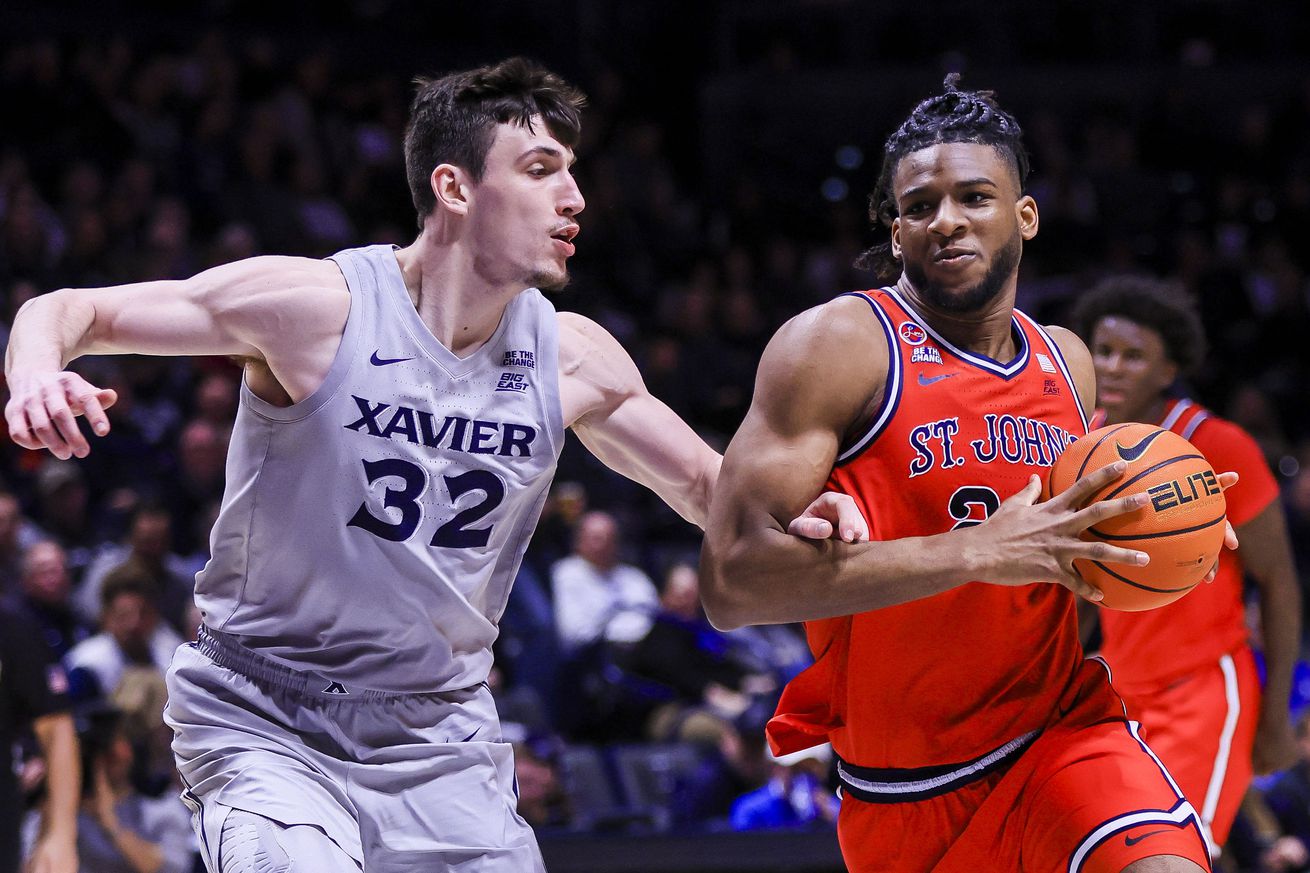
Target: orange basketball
(1182,528)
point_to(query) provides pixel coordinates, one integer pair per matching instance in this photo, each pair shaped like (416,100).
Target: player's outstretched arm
(632,432)
(821,375)
(281,311)
(1267,556)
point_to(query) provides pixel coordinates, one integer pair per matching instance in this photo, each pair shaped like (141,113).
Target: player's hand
(831,514)
(1275,745)
(1025,541)
(42,412)
(1226,481)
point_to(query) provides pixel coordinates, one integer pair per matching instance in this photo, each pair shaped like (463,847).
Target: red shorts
(1084,794)
(1202,725)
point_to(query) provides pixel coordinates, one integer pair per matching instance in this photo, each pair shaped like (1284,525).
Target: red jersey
(1148,648)
(959,675)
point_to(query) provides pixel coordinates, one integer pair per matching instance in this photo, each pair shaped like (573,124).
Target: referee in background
(32,693)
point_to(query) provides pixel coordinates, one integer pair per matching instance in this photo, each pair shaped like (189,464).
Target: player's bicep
(814,380)
(771,472)
(234,309)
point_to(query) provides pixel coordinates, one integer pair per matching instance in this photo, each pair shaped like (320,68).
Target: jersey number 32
(454,534)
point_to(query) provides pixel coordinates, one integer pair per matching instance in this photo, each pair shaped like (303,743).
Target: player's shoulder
(1069,344)
(825,364)
(589,354)
(1204,429)
(582,339)
(279,275)
(843,328)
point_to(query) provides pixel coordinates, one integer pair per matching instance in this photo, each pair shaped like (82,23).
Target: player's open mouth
(953,257)
(564,238)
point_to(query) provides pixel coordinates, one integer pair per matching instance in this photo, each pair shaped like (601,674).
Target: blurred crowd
(121,163)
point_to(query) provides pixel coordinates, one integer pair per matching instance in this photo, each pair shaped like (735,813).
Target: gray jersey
(371,532)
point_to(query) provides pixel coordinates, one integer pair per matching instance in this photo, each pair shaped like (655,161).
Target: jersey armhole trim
(337,370)
(891,395)
(1064,367)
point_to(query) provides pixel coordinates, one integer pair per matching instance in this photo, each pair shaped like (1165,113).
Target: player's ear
(1166,374)
(450,187)
(896,237)
(1026,211)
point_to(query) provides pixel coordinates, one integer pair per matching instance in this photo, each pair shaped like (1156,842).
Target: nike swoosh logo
(1132,841)
(1132,453)
(928,380)
(382,362)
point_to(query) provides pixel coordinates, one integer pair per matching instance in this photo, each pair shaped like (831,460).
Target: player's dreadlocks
(1161,306)
(953,116)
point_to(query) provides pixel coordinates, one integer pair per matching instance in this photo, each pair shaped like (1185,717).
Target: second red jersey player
(1187,670)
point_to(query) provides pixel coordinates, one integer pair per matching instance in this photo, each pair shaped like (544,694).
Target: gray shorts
(401,782)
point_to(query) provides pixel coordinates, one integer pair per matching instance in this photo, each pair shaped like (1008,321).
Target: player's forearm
(48,332)
(1280,627)
(58,740)
(773,578)
(696,503)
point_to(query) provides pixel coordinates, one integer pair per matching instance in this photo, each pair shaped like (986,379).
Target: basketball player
(972,734)
(1186,670)
(401,417)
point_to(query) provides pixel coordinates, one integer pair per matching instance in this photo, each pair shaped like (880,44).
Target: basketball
(1182,528)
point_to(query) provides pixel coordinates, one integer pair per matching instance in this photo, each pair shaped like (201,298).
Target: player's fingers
(1077,585)
(20,429)
(1227,480)
(94,410)
(1028,495)
(46,433)
(1230,536)
(1077,493)
(810,528)
(851,526)
(61,415)
(1214,571)
(1104,553)
(1103,509)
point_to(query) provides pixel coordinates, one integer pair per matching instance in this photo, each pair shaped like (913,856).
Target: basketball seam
(1163,533)
(1088,456)
(1139,584)
(1149,470)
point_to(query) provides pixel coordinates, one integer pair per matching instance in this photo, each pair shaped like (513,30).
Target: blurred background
(727,156)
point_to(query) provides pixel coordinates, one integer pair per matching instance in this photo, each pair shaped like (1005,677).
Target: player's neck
(986,331)
(460,307)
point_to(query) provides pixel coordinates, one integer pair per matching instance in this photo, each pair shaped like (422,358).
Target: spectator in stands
(147,551)
(120,830)
(1289,796)
(542,801)
(597,597)
(132,635)
(796,795)
(63,512)
(17,535)
(684,653)
(45,599)
(202,455)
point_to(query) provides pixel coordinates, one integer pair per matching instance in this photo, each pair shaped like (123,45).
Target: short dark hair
(129,578)
(452,119)
(952,116)
(1164,307)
